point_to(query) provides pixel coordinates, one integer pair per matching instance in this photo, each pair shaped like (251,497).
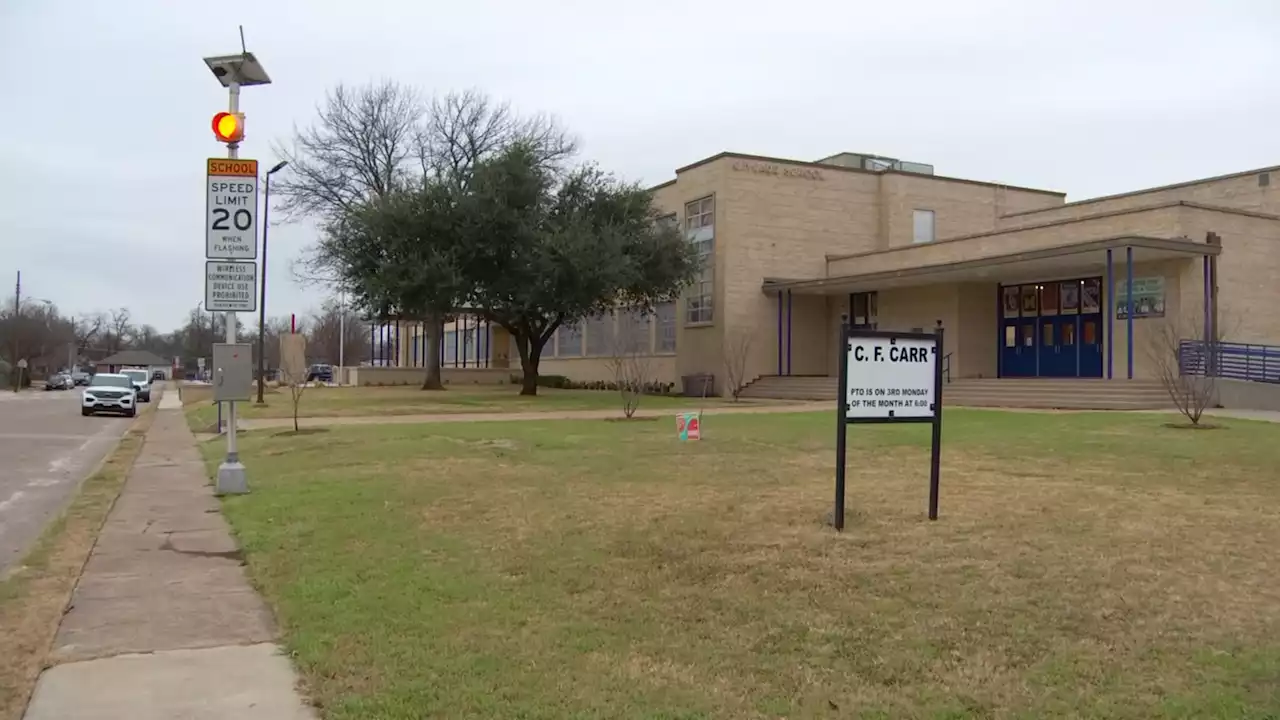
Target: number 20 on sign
(231,217)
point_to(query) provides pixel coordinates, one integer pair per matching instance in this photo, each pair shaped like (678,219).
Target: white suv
(109,392)
(141,382)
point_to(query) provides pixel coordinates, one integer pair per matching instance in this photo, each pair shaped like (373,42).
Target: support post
(231,476)
(789,307)
(935,459)
(842,427)
(1204,339)
(779,332)
(1107,305)
(1128,303)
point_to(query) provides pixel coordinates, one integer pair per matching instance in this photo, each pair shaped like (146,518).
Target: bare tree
(737,349)
(463,128)
(119,330)
(1184,359)
(362,147)
(87,330)
(294,376)
(629,362)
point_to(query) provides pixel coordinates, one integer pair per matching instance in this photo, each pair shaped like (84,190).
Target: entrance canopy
(1009,269)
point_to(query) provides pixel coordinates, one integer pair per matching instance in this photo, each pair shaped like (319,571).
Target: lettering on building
(778,170)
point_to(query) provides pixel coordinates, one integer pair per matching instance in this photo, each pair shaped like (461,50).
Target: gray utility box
(232,371)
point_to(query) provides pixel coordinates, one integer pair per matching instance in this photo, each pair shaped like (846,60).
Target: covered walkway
(1048,312)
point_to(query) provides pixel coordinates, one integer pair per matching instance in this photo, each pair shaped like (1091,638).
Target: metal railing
(1234,361)
(946,367)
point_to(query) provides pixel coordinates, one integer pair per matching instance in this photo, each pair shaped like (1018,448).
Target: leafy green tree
(400,254)
(544,248)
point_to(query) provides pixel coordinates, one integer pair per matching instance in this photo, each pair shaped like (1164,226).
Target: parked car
(60,381)
(320,373)
(80,377)
(109,392)
(141,382)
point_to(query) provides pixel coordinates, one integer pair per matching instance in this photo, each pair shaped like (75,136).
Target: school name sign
(891,377)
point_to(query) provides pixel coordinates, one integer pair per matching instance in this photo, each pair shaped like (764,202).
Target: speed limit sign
(231,215)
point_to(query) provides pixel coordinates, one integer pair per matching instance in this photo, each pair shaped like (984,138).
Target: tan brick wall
(699,346)
(1241,192)
(959,208)
(1162,223)
(661,368)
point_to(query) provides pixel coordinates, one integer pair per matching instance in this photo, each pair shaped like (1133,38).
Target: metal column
(1128,302)
(1104,300)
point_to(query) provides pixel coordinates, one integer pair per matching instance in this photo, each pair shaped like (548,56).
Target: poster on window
(1049,299)
(1011,301)
(1029,301)
(1091,296)
(1070,292)
(1148,298)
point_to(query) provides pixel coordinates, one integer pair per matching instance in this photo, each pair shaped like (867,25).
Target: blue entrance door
(1059,346)
(1089,338)
(1018,348)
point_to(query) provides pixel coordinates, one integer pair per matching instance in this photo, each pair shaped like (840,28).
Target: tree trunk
(530,356)
(435,334)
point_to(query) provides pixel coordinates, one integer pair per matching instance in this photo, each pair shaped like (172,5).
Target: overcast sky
(104,123)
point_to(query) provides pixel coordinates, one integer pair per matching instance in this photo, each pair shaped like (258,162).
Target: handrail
(1234,361)
(946,367)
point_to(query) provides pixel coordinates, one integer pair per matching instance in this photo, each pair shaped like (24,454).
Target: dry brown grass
(1084,565)
(34,596)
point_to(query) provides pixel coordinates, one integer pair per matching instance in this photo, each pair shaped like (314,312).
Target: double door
(1048,345)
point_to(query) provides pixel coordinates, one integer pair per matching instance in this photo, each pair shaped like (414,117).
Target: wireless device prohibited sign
(231,216)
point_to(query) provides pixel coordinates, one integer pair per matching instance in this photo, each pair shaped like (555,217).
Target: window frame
(699,214)
(916,214)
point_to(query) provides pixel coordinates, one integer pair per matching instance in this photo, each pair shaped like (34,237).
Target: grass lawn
(365,401)
(1085,565)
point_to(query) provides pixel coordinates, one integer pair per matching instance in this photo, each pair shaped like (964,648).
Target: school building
(1026,284)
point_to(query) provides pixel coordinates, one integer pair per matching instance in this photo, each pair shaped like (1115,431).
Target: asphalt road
(46,449)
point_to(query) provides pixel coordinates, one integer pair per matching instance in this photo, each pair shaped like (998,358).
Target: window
(865,310)
(569,340)
(922,226)
(633,332)
(450,346)
(699,229)
(599,334)
(665,319)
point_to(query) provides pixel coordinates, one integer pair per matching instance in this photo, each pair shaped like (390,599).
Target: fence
(1235,361)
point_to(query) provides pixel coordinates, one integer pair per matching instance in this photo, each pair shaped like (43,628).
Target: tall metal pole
(262,299)
(17,329)
(231,476)
(342,333)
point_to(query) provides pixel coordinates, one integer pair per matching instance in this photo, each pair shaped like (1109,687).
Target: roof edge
(1158,188)
(1182,245)
(842,168)
(1068,221)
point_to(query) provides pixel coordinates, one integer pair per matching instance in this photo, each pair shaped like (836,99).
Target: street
(46,449)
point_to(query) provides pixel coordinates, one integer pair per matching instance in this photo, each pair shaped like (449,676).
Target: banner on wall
(1148,298)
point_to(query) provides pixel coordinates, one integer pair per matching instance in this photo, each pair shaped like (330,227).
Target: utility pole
(17,328)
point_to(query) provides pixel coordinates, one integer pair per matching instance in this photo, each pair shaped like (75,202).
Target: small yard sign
(689,426)
(889,377)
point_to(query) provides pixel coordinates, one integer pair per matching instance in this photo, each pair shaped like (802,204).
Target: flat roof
(842,168)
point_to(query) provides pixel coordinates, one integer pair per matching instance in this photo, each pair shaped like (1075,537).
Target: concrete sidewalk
(263,423)
(163,623)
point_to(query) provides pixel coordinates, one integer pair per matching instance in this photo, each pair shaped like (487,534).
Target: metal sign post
(889,377)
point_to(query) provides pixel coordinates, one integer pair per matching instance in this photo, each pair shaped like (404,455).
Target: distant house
(136,359)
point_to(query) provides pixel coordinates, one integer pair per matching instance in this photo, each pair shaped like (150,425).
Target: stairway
(1046,393)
